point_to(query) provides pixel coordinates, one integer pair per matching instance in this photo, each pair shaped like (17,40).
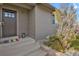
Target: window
(13,15)
(53,19)
(8,14)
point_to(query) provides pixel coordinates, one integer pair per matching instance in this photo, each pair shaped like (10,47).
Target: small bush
(75,44)
(54,43)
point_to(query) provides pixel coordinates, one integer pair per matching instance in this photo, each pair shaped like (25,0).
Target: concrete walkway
(24,47)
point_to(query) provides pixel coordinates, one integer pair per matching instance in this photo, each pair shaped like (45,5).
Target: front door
(9,23)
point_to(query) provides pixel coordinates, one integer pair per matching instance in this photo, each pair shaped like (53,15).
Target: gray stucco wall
(23,21)
(43,22)
(32,23)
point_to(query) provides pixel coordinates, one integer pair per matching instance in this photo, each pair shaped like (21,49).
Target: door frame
(15,20)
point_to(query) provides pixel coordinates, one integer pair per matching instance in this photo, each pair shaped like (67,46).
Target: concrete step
(24,41)
(37,52)
(21,48)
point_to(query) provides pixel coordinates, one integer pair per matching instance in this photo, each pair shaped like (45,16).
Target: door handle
(0,23)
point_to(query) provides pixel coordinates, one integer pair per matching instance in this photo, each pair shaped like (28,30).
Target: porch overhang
(29,6)
(23,5)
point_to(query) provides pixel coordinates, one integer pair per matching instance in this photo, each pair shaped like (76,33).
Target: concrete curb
(51,52)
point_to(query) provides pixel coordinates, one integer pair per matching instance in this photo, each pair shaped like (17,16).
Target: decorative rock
(60,54)
(17,39)
(47,37)
(12,40)
(76,53)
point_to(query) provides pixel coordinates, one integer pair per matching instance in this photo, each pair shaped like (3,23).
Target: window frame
(9,14)
(53,19)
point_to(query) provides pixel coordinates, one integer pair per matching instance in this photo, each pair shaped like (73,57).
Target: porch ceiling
(24,5)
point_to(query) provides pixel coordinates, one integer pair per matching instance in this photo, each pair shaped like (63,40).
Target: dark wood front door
(9,23)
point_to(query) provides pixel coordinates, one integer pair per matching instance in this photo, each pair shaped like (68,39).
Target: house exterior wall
(32,22)
(43,22)
(22,18)
(23,21)
(37,22)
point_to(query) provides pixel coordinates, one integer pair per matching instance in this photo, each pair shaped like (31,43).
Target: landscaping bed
(54,48)
(53,52)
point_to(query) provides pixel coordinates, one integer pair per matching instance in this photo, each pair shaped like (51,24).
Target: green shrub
(75,44)
(77,36)
(54,43)
(52,38)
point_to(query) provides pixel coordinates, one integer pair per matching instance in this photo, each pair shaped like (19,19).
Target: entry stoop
(24,47)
